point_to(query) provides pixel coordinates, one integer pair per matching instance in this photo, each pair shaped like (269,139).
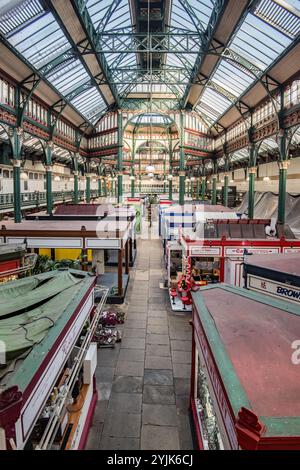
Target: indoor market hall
(149,231)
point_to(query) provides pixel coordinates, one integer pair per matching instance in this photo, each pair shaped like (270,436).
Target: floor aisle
(143,382)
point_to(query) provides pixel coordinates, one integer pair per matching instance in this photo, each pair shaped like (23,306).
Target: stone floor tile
(133,343)
(182,371)
(134,332)
(127,384)
(157,339)
(159,438)
(157,362)
(181,357)
(158,350)
(135,369)
(158,377)
(160,394)
(122,425)
(119,443)
(125,403)
(159,415)
(94,437)
(135,355)
(180,345)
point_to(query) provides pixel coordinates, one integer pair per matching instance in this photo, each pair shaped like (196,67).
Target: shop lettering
(288,292)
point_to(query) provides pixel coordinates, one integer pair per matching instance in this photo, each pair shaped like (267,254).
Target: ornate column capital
(283,165)
(252,170)
(49,167)
(181,173)
(75,173)
(16,163)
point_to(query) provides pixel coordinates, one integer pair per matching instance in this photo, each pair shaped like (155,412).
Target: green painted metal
(76,188)
(49,190)
(120,156)
(181,162)
(17,193)
(16,144)
(251,191)
(283,156)
(198,189)
(282,195)
(203,188)
(92,45)
(225,191)
(99,187)
(214,191)
(88,189)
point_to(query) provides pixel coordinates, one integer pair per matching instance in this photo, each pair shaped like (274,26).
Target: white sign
(206,250)
(239,250)
(283,291)
(291,250)
(48,242)
(47,380)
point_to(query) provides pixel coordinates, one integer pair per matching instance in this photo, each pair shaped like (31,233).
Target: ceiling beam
(225,18)
(74,19)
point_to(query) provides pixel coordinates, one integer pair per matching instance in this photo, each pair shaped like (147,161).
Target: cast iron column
(88,188)
(17,190)
(225,190)
(251,190)
(16,138)
(181,162)
(99,187)
(203,188)
(214,190)
(75,174)
(120,156)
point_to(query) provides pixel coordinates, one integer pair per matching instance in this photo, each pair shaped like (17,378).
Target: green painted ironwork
(214,190)
(181,162)
(88,189)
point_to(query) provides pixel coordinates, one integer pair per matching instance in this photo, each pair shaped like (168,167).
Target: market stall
(215,253)
(93,235)
(278,276)
(244,386)
(47,383)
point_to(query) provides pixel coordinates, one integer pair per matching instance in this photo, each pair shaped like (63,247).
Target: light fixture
(24,175)
(231,181)
(115,178)
(150,175)
(150,169)
(132,178)
(192,178)
(187,180)
(94,180)
(71,180)
(56,178)
(266,178)
(170,177)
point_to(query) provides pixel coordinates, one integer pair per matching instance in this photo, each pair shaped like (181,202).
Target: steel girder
(90,41)
(206,38)
(137,104)
(181,42)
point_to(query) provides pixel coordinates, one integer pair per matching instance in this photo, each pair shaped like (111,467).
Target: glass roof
(152,118)
(260,38)
(36,34)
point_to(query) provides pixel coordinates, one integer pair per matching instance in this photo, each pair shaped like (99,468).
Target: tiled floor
(143,382)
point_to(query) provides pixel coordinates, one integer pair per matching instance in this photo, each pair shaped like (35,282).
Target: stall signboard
(206,250)
(291,250)
(240,250)
(282,291)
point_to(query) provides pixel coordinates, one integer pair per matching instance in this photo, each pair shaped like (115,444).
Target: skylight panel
(285,20)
